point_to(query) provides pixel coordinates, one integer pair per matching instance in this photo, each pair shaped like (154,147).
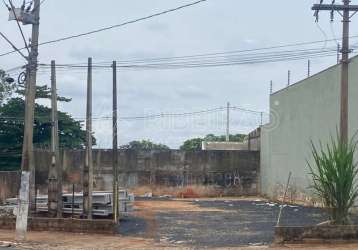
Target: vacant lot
(214,222)
(189,224)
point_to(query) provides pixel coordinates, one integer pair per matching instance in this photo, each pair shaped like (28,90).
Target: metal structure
(73,203)
(344,10)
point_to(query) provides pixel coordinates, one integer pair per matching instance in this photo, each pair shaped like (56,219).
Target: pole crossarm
(336,7)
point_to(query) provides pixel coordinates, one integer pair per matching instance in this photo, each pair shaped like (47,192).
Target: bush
(334,177)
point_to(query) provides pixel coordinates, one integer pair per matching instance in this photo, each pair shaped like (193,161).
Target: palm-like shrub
(334,177)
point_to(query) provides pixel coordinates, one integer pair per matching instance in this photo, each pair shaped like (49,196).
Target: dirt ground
(184,224)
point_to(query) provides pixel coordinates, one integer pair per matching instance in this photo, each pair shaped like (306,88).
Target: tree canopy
(195,143)
(144,145)
(6,87)
(12,112)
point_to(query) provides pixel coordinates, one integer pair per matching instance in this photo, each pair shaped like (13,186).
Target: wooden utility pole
(88,167)
(27,162)
(54,184)
(344,10)
(228,122)
(115,144)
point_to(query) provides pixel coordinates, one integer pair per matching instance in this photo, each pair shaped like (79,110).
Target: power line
(114,26)
(144,117)
(195,58)
(18,25)
(228,60)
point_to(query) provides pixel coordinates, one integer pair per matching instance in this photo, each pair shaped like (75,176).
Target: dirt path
(66,241)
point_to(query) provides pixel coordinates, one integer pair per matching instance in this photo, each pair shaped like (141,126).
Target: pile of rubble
(6,211)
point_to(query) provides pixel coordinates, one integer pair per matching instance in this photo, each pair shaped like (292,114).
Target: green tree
(334,175)
(6,87)
(144,145)
(195,143)
(71,134)
(192,144)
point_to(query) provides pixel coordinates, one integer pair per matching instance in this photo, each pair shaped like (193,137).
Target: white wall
(305,111)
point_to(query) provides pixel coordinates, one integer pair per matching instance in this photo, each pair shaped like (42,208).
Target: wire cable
(18,25)
(115,26)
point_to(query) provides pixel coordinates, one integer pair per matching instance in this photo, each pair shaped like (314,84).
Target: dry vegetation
(194,191)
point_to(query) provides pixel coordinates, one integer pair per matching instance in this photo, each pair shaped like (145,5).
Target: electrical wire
(46,119)
(19,26)
(113,26)
(187,62)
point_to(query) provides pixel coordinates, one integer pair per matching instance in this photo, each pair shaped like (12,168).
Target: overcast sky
(212,26)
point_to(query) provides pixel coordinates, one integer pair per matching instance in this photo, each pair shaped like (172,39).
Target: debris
(7,211)
(148,195)
(7,244)
(166,196)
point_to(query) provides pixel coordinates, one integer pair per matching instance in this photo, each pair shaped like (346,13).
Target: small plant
(334,177)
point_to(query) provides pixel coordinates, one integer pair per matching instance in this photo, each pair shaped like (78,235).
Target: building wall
(308,110)
(235,172)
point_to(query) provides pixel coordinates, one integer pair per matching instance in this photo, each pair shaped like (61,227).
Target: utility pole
(338,52)
(288,78)
(228,122)
(271,87)
(115,145)
(346,8)
(27,162)
(88,167)
(54,184)
(309,68)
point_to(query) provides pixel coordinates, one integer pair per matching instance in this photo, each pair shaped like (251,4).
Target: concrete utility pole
(338,52)
(27,163)
(55,173)
(309,68)
(271,87)
(346,8)
(228,122)
(88,167)
(115,144)
(288,78)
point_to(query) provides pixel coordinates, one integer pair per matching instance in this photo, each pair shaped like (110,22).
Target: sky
(210,27)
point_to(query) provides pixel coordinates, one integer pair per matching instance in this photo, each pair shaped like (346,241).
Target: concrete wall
(308,110)
(235,171)
(9,184)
